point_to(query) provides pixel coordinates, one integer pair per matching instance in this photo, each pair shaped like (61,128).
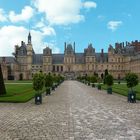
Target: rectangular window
(118,59)
(61,68)
(53,68)
(57,68)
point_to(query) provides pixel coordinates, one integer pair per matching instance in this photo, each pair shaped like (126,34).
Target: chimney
(22,43)
(74,46)
(3,59)
(65,45)
(126,43)
(102,52)
(123,44)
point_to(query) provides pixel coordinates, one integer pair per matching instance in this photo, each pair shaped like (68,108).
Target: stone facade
(123,58)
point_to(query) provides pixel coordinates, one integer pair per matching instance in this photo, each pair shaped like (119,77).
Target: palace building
(121,59)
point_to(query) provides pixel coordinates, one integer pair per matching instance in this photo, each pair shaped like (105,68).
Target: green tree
(93,79)
(95,74)
(38,82)
(48,83)
(79,78)
(102,76)
(2,86)
(119,78)
(105,74)
(109,80)
(48,80)
(54,78)
(109,83)
(88,78)
(99,80)
(59,78)
(132,80)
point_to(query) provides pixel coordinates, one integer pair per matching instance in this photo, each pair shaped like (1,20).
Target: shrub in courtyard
(132,80)
(2,86)
(38,84)
(48,83)
(105,74)
(60,79)
(54,81)
(80,78)
(119,79)
(109,83)
(88,80)
(102,76)
(93,79)
(99,80)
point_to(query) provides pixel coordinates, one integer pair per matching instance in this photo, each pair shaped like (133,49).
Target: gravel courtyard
(73,112)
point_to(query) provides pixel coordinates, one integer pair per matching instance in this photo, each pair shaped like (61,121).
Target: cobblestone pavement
(73,112)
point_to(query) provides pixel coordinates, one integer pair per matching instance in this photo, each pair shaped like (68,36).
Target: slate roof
(22,51)
(100,58)
(129,50)
(80,59)
(57,58)
(38,59)
(9,59)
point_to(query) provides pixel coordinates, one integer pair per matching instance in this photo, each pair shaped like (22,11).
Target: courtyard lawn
(123,90)
(18,81)
(18,92)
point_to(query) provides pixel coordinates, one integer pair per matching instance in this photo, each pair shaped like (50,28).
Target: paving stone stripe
(73,112)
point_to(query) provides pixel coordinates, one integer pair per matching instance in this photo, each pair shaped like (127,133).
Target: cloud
(3,16)
(89,4)
(13,35)
(48,31)
(39,24)
(62,12)
(113,25)
(26,13)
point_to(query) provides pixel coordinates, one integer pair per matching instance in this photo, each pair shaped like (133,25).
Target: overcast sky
(52,22)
